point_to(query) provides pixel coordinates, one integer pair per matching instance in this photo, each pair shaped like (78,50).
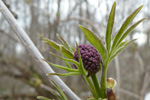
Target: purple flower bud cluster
(90,57)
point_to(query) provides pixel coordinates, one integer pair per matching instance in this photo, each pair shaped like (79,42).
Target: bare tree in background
(49,17)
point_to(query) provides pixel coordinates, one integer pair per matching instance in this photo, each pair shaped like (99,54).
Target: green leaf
(66,59)
(121,47)
(55,93)
(62,67)
(130,30)
(43,98)
(110,27)
(60,91)
(63,41)
(58,47)
(65,44)
(65,74)
(53,44)
(67,64)
(67,53)
(81,67)
(124,26)
(73,49)
(95,41)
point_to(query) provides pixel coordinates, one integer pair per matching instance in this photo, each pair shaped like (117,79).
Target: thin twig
(8,35)
(117,75)
(34,51)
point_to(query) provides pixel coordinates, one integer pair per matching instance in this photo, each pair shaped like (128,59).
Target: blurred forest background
(20,74)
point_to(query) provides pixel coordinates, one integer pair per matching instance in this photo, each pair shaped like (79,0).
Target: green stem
(91,87)
(103,82)
(97,85)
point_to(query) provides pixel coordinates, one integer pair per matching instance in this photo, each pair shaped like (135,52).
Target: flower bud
(110,94)
(111,83)
(90,57)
